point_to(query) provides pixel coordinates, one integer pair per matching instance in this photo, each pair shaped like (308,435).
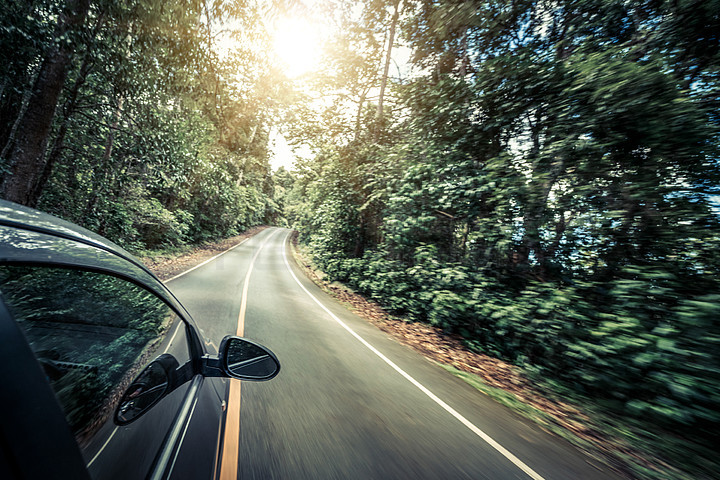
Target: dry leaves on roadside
(447,349)
(167,267)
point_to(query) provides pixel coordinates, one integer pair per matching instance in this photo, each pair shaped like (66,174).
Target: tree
(544,192)
(25,154)
(159,139)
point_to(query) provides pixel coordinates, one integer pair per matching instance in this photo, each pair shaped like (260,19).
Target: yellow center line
(231,439)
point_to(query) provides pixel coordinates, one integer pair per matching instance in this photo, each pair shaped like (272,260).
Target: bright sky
(298,45)
(282,154)
(297,42)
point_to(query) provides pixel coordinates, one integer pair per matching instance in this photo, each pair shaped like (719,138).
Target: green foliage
(544,188)
(159,139)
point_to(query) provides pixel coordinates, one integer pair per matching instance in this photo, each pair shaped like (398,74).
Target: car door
(120,362)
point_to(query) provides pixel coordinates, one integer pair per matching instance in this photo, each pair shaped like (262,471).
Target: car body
(103,373)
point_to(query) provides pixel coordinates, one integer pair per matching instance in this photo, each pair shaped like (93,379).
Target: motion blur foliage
(544,186)
(130,119)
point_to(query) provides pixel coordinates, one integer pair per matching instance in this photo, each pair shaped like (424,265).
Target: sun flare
(297,45)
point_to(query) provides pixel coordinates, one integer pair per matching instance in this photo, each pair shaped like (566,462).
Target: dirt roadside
(500,380)
(167,266)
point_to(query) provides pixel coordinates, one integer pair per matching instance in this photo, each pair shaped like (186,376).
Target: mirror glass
(145,391)
(249,361)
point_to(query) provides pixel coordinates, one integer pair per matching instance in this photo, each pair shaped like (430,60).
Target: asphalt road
(350,402)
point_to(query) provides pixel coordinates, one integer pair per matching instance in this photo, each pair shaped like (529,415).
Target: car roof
(30,236)
(13,214)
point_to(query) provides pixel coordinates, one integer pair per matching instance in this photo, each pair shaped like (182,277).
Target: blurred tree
(543,189)
(25,152)
(346,129)
(163,118)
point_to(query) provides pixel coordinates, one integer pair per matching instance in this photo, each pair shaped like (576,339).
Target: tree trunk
(26,156)
(105,170)
(14,111)
(20,74)
(56,150)
(388,58)
(117,116)
(358,117)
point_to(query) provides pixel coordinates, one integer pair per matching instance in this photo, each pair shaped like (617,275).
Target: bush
(632,343)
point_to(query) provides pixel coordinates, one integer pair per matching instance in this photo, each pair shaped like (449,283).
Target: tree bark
(358,117)
(26,156)
(388,58)
(105,170)
(59,141)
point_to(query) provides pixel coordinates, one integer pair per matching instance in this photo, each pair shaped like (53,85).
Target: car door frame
(53,453)
(44,412)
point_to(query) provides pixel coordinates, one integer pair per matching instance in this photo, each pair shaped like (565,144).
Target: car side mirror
(246,360)
(153,383)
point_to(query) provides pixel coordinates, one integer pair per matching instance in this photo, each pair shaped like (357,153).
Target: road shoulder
(505,383)
(167,265)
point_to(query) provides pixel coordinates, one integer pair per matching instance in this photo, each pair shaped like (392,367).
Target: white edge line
(206,261)
(490,441)
(172,339)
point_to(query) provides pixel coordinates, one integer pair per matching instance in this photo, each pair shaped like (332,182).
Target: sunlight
(297,45)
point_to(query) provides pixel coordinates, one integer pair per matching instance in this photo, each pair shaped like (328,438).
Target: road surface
(350,402)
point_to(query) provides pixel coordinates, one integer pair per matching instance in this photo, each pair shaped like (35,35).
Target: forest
(130,119)
(541,177)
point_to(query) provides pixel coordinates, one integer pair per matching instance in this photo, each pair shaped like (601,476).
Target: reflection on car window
(92,333)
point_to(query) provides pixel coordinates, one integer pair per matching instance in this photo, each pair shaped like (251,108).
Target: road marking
(172,339)
(489,440)
(103,447)
(206,261)
(231,439)
(176,331)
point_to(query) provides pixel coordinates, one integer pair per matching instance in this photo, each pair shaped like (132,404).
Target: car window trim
(167,455)
(196,349)
(60,452)
(151,282)
(76,238)
(169,449)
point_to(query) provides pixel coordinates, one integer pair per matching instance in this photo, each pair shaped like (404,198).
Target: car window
(97,337)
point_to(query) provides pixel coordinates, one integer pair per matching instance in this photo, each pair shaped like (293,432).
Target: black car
(103,373)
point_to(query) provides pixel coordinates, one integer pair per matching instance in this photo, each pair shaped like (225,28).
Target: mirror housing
(155,381)
(243,359)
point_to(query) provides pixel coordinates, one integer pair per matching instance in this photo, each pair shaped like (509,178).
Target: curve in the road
(502,450)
